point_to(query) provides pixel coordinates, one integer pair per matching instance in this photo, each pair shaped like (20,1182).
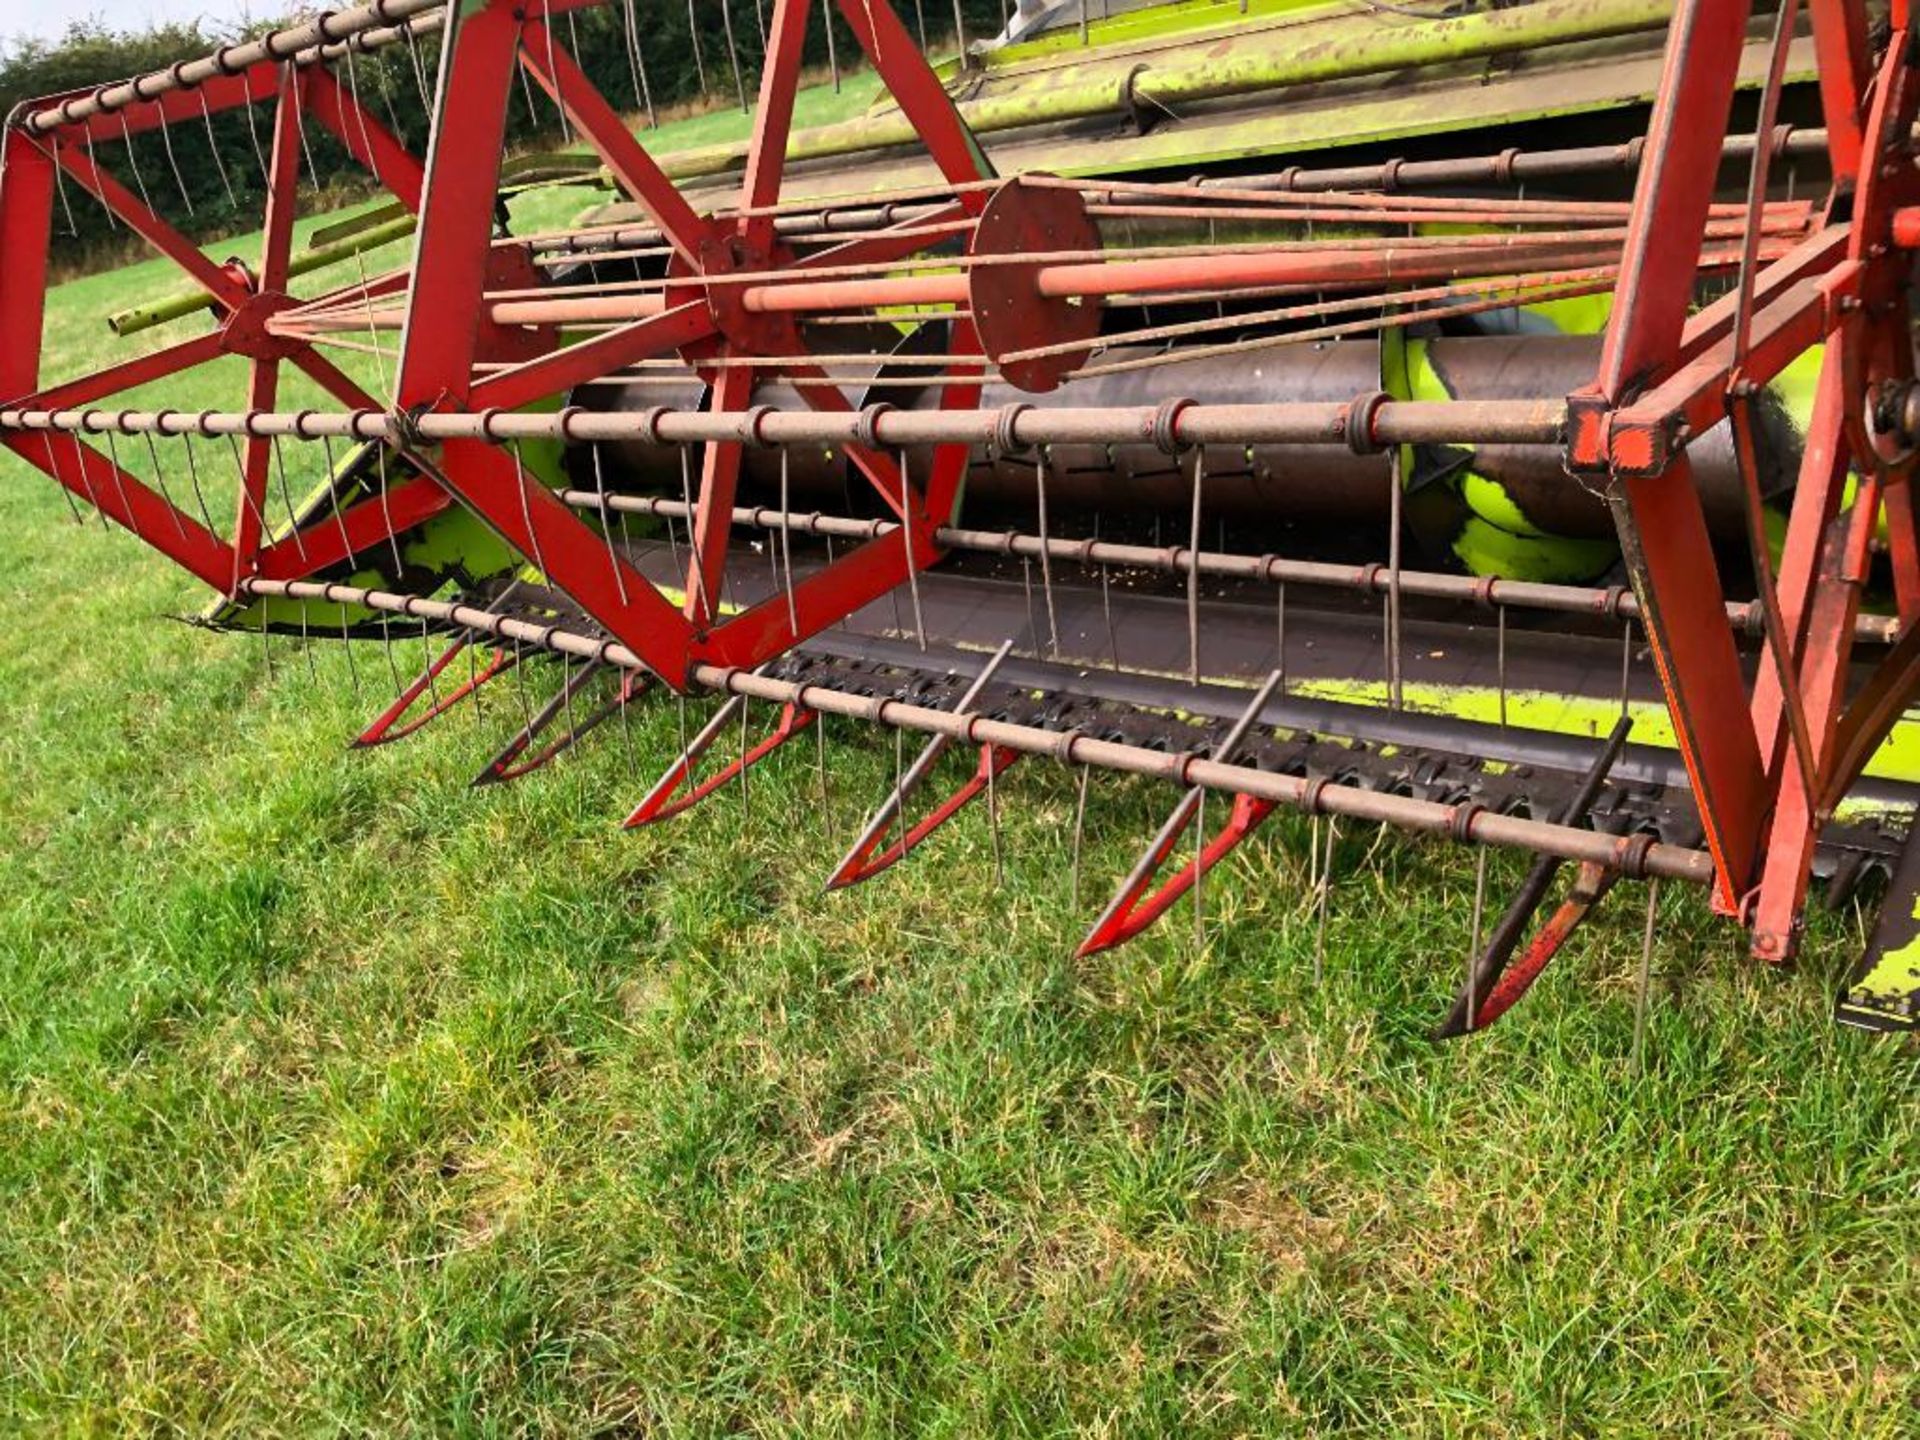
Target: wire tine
(1394,651)
(160,480)
(733,53)
(253,134)
(693,30)
(1326,893)
(1280,631)
(1500,632)
(119,480)
(642,86)
(133,160)
(1644,981)
(1626,661)
(693,563)
(913,570)
(1473,941)
(1079,830)
(286,497)
(606,522)
(546,24)
(826,796)
(193,479)
(746,743)
(993,820)
(920,14)
(93,163)
(1193,566)
(60,188)
(1199,870)
(786,543)
(833,53)
(526,511)
(266,645)
(73,506)
(173,163)
(1046,565)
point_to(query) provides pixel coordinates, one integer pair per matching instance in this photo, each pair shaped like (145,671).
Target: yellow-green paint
(1897,759)
(1894,978)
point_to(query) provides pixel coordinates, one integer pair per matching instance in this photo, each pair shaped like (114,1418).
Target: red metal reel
(1009,311)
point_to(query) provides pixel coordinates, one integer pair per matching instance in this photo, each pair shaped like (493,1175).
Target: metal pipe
(1616,601)
(293,43)
(1468,822)
(1508,168)
(1394,422)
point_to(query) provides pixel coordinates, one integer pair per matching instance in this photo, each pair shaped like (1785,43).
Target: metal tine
(546,24)
(1626,662)
(253,134)
(93,163)
(388,726)
(637,63)
(160,480)
(1193,566)
(826,793)
(1643,985)
(286,497)
(1473,942)
(419,71)
(1079,831)
(506,764)
(671,793)
(746,796)
(906,539)
(1046,565)
(86,480)
(60,189)
(119,483)
(1132,909)
(833,53)
(173,163)
(1500,651)
(786,544)
(860,861)
(1324,895)
(960,33)
(1394,510)
(73,506)
(760,17)
(133,160)
(693,31)
(193,479)
(1280,631)
(606,522)
(733,53)
(920,15)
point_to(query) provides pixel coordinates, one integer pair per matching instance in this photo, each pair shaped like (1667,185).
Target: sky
(48,19)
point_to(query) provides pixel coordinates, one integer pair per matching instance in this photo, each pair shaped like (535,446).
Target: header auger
(1437,471)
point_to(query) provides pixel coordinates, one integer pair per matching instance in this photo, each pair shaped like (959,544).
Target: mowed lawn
(338,1097)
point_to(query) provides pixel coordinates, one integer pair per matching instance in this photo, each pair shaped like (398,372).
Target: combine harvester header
(1373,412)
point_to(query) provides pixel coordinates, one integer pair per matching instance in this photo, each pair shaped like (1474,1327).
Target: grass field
(337,1097)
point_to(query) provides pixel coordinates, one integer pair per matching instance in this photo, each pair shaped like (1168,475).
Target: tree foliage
(207,176)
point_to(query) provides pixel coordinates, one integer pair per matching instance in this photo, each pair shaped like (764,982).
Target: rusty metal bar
(1397,422)
(1637,856)
(1617,601)
(292,43)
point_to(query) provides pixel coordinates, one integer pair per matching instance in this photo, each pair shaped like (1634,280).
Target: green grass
(338,1097)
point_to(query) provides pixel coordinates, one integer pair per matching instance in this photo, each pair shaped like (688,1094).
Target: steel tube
(1174,559)
(1467,823)
(1399,422)
(279,45)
